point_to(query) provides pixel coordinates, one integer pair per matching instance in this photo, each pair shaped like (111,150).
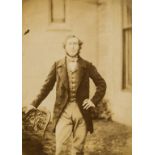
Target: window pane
(127,58)
(58,11)
(127,13)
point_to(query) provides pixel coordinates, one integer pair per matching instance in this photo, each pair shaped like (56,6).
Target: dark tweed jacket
(58,75)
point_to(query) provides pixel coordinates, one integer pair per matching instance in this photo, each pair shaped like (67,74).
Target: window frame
(127,53)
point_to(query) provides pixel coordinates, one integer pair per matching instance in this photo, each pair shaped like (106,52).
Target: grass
(109,138)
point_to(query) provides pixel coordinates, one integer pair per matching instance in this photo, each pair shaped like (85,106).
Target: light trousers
(71,123)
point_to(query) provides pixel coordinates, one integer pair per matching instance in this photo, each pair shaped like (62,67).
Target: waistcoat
(73,78)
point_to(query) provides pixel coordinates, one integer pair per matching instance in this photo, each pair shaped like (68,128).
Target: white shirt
(72,63)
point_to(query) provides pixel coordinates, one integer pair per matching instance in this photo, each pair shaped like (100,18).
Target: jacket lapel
(82,69)
(62,71)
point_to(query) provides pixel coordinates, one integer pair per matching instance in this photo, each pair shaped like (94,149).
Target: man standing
(72,110)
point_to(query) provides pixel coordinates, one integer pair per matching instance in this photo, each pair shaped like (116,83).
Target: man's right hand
(27,108)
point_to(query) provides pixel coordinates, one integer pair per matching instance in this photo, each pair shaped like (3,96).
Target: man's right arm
(47,87)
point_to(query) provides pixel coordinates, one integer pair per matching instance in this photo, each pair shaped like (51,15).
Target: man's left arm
(99,83)
(100,88)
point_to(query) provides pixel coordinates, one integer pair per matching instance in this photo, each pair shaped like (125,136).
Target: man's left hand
(87,103)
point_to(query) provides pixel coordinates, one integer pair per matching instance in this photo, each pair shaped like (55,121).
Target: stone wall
(110,58)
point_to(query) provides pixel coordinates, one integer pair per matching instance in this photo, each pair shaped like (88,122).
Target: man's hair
(73,36)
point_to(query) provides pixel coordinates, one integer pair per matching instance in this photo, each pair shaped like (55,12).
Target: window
(127,44)
(58,11)
(59,15)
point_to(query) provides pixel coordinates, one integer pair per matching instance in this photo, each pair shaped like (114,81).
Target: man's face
(72,47)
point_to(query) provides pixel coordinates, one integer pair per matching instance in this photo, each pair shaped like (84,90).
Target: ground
(109,138)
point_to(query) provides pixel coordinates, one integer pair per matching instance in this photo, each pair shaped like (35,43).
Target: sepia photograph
(76,77)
